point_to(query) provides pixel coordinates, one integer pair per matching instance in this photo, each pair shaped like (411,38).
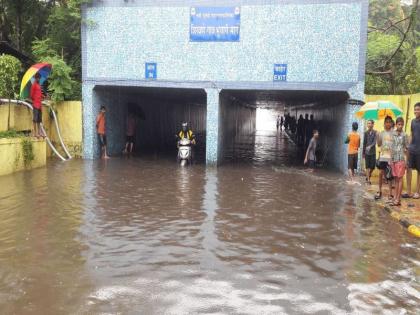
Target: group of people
(131,125)
(302,127)
(399,155)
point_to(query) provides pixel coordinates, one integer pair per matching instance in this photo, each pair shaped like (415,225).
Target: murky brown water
(142,236)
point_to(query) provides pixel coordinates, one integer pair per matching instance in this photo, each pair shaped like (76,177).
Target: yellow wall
(406,103)
(69,115)
(69,120)
(11,155)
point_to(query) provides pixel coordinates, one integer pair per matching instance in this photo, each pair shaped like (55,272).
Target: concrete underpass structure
(214,62)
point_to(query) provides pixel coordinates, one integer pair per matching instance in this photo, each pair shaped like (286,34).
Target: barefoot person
(100,129)
(130,132)
(310,157)
(36,97)
(414,154)
(384,141)
(353,139)
(369,150)
(398,155)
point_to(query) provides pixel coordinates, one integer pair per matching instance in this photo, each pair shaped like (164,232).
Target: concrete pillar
(212,126)
(90,108)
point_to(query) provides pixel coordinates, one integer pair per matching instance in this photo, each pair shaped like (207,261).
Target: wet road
(142,236)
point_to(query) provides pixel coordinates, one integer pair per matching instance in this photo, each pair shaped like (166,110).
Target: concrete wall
(160,114)
(333,119)
(69,115)
(237,119)
(11,155)
(323,43)
(320,40)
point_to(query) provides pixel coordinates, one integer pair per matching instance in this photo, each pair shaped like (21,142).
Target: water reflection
(147,237)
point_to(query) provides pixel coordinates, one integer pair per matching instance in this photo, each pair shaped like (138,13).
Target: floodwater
(254,236)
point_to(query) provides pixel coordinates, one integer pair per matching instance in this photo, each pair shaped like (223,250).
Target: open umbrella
(378,110)
(44,69)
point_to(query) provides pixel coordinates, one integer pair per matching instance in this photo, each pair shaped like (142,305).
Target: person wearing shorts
(130,132)
(353,140)
(100,129)
(398,154)
(369,150)
(384,141)
(36,97)
(414,154)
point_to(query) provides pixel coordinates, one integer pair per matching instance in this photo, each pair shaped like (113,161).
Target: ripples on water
(139,236)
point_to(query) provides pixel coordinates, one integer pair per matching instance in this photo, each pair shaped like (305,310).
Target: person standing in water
(353,140)
(130,133)
(100,130)
(310,156)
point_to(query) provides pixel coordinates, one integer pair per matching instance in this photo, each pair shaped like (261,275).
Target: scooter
(184,152)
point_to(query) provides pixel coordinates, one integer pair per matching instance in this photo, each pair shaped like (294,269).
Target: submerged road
(254,236)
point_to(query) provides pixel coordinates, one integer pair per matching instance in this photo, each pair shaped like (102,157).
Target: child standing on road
(310,157)
(100,129)
(398,155)
(384,141)
(353,139)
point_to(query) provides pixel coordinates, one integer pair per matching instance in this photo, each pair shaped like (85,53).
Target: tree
(60,83)
(392,65)
(10,68)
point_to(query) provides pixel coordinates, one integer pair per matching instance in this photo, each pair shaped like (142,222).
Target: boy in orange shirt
(100,129)
(353,139)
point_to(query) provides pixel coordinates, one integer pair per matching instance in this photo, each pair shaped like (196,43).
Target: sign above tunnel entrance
(215,24)
(280,72)
(150,71)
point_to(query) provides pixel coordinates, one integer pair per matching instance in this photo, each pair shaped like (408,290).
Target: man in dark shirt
(369,150)
(414,154)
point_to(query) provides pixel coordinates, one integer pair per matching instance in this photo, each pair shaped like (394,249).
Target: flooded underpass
(143,236)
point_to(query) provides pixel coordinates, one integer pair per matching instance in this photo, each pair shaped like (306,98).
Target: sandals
(396,203)
(416,196)
(378,195)
(406,195)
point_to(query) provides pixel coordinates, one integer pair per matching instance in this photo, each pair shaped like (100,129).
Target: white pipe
(58,130)
(3,100)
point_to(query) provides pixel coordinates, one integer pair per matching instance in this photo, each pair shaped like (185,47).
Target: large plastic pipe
(3,100)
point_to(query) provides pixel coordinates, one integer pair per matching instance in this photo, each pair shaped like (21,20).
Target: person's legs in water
(102,140)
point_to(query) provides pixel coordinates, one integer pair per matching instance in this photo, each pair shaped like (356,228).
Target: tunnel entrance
(159,113)
(248,126)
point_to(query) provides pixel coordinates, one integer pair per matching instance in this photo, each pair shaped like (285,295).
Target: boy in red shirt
(100,129)
(36,97)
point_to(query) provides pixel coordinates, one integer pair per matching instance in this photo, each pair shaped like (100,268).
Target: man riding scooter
(186,139)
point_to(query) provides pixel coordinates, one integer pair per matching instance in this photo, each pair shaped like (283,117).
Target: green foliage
(11,134)
(60,82)
(10,68)
(393,60)
(28,151)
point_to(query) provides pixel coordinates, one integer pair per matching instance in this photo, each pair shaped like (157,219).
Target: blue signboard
(215,24)
(280,72)
(150,71)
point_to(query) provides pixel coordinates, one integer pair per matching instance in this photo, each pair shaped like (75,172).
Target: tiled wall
(322,41)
